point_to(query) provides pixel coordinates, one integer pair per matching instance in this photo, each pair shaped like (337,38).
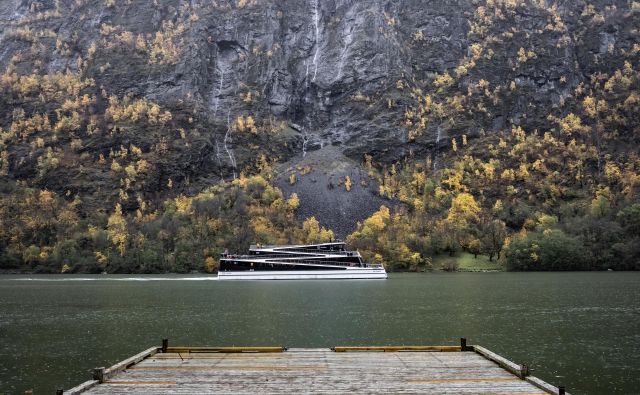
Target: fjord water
(577,329)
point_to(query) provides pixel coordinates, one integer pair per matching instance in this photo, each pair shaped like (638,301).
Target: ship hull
(349,274)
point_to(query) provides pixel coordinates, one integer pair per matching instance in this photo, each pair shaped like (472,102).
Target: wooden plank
(494,379)
(543,385)
(113,370)
(224,349)
(294,384)
(82,387)
(239,367)
(398,348)
(503,362)
(190,390)
(141,382)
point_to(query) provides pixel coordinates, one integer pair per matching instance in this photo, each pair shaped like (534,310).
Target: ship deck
(422,369)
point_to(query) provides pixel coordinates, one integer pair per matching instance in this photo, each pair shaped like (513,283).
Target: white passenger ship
(298,262)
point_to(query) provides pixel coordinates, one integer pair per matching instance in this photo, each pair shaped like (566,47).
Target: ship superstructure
(295,262)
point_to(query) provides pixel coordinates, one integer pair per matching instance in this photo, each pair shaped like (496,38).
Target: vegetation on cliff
(537,202)
(44,232)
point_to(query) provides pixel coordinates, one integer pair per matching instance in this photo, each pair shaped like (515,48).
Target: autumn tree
(492,236)
(117,230)
(314,233)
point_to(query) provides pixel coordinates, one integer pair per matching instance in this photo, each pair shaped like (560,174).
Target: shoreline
(205,274)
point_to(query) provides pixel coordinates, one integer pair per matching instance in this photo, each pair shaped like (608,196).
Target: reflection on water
(114,278)
(577,329)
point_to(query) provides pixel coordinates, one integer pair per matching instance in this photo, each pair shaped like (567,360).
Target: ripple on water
(106,278)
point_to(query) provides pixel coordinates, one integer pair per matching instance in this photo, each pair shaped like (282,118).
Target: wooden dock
(250,370)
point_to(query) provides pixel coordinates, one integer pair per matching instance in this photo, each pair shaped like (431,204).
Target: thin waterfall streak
(316,22)
(217,96)
(343,54)
(219,159)
(227,138)
(306,78)
(305,139)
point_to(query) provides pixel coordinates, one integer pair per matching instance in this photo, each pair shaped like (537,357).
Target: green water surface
(577,329)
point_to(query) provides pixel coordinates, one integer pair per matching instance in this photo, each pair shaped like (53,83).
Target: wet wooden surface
(314,370)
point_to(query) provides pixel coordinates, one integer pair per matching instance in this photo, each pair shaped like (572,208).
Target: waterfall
(316,21)
(227,139)
(348,38)
(216,97)
(343,54)
(435,150)
(219,159)
(305,140)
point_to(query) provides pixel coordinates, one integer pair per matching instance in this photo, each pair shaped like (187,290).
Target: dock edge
(101,374)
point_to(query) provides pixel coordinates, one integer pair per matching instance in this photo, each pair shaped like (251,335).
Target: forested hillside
(141,136)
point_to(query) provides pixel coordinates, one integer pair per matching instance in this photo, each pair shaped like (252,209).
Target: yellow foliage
(210,264)
(476,50)
(601,204)
(524,56)
(377,221)
(262,229)
(489,170)
(508,175)
(166,47)
(242,124)
(293,202)
(589,105)
(141,44)
(523,172)
(612,172)
(101,258)
(461,71)
(463,208)
(572,124)
(314,233)
(117,229)
(183,204)
(454,180)
(135,150)
(443,80)
(497,207)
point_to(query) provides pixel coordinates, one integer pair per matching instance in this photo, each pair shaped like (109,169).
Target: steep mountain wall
(387,78)
(304,61)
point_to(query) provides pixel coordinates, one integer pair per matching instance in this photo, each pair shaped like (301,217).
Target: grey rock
(329,68)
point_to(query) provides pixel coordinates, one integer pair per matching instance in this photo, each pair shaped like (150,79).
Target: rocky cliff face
(350,75)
